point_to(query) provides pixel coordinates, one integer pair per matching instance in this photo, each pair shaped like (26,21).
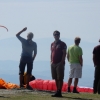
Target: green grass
(47,96)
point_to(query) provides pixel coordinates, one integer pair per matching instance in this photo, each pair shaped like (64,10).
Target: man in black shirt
(96,61)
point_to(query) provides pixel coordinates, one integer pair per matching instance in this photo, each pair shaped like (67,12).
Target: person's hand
(81,65)
(61,63)
(94,65)
(24,29)
(51,62)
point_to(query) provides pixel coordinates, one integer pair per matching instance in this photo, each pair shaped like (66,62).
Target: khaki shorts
(75,70)
(57,71)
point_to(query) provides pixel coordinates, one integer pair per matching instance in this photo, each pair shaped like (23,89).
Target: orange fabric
(2,82)
(5,85)
(25,78)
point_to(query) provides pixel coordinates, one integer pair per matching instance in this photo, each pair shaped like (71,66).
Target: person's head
(30,36)
(77,40)
(56,35)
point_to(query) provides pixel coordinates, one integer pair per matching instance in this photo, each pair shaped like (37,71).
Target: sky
(71,17)
(42,17)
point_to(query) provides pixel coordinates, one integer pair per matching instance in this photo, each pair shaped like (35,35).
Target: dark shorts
(57,71)
(22,65)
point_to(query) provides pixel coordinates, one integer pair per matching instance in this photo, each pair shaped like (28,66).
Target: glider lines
(4,27)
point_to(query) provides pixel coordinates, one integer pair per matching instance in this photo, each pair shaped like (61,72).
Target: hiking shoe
(94,91)
(29,88)
(68,90)
(57,94)
(75,91)
(22,87)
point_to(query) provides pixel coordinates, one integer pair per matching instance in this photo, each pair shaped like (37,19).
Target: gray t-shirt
(28,47)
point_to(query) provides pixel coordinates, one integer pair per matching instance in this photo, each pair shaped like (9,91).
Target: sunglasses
(56,34)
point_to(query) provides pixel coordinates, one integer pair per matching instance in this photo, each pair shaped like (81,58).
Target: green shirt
(74,52)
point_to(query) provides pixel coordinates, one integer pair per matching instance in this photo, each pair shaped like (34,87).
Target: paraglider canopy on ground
(50,85)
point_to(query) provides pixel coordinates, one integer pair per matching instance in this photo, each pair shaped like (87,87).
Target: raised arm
(24,29)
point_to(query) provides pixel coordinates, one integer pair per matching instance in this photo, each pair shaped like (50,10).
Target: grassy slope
(47,96)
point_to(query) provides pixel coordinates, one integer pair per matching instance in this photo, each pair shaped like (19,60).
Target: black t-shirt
(96,52)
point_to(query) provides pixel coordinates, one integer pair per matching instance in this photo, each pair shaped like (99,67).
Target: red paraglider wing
(4,27)
(50,85)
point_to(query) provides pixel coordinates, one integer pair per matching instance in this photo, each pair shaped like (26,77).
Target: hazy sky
(71,17)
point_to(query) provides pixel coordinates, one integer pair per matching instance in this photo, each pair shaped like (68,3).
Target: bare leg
(21,80)
(57,84)
(75,82)
(60,84)
(75,85)
(69,84)
(28,79)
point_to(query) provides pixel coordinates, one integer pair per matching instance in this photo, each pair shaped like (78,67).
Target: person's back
(74,56)
(96,61)
(74,53)
(96,51)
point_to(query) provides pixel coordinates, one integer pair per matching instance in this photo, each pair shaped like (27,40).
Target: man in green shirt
(75,59)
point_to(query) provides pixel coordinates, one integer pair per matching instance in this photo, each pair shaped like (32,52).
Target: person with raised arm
(29,51)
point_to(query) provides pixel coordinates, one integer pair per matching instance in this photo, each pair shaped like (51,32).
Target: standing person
(74,57)
(27,56)
(96,61)
(58,54)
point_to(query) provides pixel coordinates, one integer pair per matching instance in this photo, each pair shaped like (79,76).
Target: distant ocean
(41,70)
